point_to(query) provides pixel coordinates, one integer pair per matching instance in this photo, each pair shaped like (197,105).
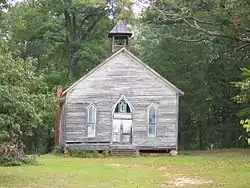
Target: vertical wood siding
(62,137)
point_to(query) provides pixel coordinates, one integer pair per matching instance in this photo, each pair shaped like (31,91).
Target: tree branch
(85,18)
(201,21)
(55,39)
(241,47)
(186,40)
(175,14)
(74,30)
(67,23)
(90,28)
(217,34)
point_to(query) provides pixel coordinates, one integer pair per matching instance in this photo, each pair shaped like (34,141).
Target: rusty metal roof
(120,29)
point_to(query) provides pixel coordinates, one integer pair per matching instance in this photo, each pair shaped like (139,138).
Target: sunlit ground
(229,168)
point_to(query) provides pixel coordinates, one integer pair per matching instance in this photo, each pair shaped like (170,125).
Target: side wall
(62,135)
(123,75)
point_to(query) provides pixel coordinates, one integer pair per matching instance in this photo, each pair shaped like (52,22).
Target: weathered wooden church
(120,104)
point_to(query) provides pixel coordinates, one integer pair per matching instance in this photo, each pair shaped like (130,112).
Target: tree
(206,20)
(79,20)
(61,34)
(4,4)
(122,10)
(243,98)
(58,41)
(203,69)
(26,103)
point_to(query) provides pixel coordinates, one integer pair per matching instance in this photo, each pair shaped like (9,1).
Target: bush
(12,153)
(5,161)
(79,152)
(105,153)
(58,150)
(29,159)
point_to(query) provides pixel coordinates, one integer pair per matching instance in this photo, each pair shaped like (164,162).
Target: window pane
(91,130)
(152,118)
(152,121)
(128,109)
(151,129)
(122,106)
(91,115)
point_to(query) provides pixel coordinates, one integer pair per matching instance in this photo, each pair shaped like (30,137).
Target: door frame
(120,125)
(122,116)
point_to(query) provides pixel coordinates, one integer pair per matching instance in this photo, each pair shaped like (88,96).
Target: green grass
(224,169)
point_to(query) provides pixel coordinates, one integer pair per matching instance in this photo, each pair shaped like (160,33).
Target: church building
(122,104)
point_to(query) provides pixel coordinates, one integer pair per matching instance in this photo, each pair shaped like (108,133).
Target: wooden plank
(62,125)
(122,76)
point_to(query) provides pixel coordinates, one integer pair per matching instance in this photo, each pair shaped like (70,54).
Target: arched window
(152,122)
(122,107)
(91,120)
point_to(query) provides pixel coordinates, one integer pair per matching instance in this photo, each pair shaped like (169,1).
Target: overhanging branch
(217,34)
(174,14)
(186,40)
(241,47)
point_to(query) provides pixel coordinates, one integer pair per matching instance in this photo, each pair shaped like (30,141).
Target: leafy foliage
(46,43)
(59,34)
(57,150)
(204,20)
(246,126)
(25,101)
(12,152)
(200,64)
(4,4)
(244,98)
(80,152)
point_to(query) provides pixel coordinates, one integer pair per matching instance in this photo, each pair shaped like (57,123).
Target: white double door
(121,130)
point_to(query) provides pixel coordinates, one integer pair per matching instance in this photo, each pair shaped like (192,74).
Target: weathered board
(122,75)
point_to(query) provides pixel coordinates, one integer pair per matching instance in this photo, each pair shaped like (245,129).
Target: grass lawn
(199,169)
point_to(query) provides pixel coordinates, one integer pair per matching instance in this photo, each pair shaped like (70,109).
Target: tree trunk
(72,67)
(200,137)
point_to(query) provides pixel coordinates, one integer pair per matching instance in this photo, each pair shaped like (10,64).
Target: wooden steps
(123,150)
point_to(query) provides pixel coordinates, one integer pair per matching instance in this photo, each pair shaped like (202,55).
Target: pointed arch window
(152,121)
(91,120)
(123,106)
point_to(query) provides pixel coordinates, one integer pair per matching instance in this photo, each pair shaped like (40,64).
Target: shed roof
(135,58)
(120,29)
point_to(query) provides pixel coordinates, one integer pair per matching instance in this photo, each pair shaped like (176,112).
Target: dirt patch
(176,179)
(129,165)
(182,181)
(172,167)
(157,167)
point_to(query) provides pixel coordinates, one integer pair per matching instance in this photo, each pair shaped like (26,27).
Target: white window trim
(87,123)
(126,100)
(156,119)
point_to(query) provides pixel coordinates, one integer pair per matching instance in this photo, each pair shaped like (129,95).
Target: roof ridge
(134,57)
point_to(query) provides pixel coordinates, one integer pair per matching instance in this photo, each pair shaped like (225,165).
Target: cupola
(120,36)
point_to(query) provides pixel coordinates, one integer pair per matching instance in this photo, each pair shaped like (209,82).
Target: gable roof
(169,84)
(120,29)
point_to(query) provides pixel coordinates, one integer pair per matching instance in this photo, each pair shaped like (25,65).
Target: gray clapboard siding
(122,75)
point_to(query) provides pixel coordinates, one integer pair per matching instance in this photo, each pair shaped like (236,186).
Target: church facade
(122,102)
